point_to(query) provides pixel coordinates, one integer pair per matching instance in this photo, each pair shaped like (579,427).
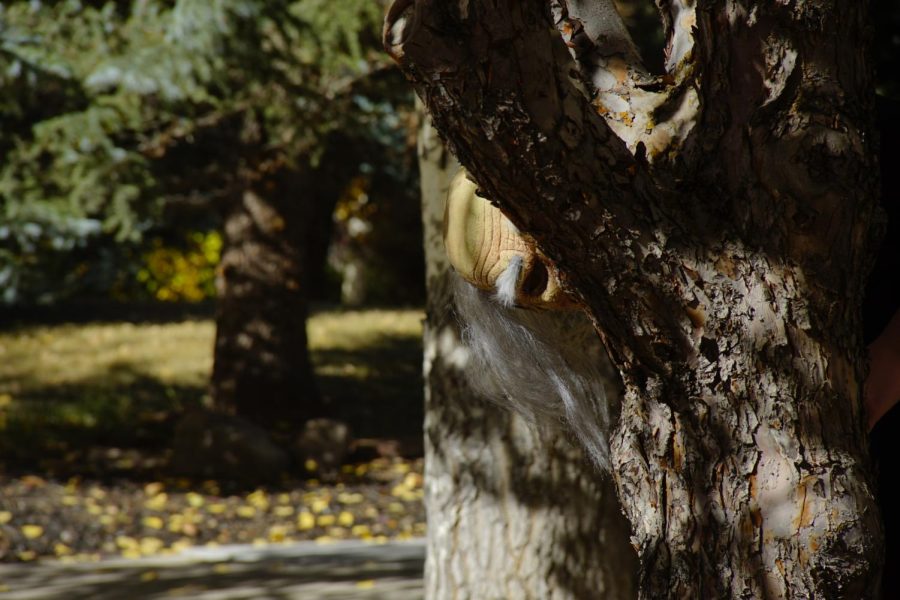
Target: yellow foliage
(182,274)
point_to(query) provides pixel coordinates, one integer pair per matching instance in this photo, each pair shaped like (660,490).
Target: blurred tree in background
(133,133)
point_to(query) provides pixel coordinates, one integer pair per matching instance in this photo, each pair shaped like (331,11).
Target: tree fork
(716,223)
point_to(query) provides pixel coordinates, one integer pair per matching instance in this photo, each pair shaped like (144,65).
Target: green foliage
(111,111)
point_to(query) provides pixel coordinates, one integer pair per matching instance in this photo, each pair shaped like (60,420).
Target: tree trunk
(262,369)
(512,514)
(716,223)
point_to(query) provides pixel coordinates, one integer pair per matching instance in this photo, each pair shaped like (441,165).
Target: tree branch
(499,77)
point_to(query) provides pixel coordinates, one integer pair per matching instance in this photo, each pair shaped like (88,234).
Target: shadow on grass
(119,422)
(83,312)
(378,389)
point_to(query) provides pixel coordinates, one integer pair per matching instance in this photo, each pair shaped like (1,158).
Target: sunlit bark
(716,223)
(511,514)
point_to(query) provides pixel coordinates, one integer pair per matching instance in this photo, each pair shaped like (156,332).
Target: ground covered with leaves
(86,418)
(88,519)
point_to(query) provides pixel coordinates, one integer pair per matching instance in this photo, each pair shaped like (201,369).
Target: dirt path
(301,571)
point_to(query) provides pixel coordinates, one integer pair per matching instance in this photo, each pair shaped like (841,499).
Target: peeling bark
(511,514)
(720,242)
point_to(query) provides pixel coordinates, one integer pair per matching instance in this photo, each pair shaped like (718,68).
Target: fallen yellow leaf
(259,500)
(305,520)
(125,542)
(366,584)
(157,502)
(150,545)
(325,520)
(61,549)
(277,533)
(5,517)
(180,545)
(350,498)
(152,489)
(32,531)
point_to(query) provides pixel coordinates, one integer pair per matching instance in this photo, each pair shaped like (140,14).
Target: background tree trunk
(262,369)
(721,246)
(510,515)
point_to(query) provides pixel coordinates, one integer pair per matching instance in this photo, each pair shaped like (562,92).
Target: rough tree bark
(511,514)
(717,224)
(262,369)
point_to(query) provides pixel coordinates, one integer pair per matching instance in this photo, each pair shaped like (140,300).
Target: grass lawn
(86,419)
(68,387)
